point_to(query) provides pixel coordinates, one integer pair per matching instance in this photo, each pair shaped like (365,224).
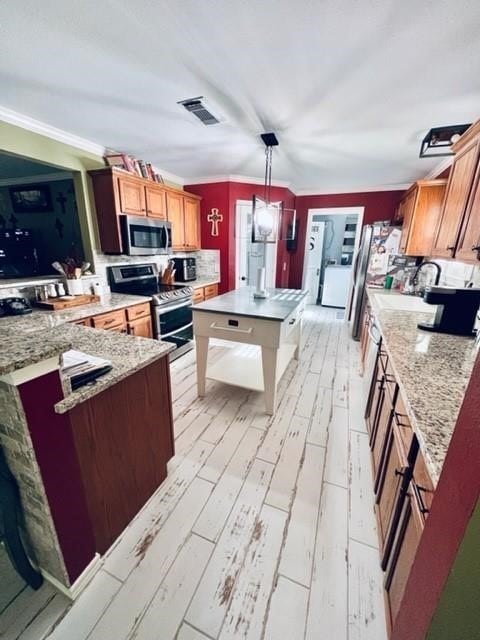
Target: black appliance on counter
(142,236)
(14,306)
(171,304)
(185,269)
(18,255)
(456,312)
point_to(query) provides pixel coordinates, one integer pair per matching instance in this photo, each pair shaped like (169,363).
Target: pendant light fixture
(265,215)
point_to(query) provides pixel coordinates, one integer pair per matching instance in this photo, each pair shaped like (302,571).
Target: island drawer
(138,311)
(237,328)
(110,320)
(198,295)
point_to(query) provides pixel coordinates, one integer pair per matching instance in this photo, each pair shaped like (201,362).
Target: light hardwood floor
(264,528)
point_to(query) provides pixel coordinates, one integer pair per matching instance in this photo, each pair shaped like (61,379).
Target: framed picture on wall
(31,198)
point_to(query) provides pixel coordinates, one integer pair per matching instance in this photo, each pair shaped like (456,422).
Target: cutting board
(57,304)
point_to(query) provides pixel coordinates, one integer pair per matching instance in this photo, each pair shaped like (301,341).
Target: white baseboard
(80,583)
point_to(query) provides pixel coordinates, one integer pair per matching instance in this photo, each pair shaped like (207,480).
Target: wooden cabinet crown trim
(469,136)
(126,175)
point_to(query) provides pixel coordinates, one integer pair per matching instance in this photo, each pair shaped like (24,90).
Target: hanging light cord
(268,173)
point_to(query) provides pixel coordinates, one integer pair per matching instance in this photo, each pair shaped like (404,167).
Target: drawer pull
(399,473)
(110,321)
(215,326)
(292,321)
(417,491)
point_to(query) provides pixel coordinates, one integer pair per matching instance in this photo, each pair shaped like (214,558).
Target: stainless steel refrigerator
(374,261)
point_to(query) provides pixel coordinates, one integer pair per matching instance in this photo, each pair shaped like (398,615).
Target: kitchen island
(86,461)
(273,326)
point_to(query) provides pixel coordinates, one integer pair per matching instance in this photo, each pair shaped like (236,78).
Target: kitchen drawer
(138,311)
(198,295)
(211,291)
(84,322)
(110,320)
(237,328)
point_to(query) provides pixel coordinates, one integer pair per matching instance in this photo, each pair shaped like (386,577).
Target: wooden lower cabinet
(211,291)
(407,538)
(142,327)
(198,295)
(135,320)
(403,489)
(111,320)
(204,293)
(124,438)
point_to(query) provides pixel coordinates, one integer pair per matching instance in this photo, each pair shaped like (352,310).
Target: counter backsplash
(208,268)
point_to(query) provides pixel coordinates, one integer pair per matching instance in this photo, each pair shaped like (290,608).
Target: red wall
(455,498)
(379,205)
(217,195)
(223,196)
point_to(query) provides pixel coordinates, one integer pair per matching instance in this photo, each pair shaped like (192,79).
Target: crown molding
(170,177)
(44,177)
(36,126)
(441,166)
(341,191)
(235,178)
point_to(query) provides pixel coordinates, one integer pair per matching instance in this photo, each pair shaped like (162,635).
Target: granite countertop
(432,370)
(40,335)
(240,302)
(126,353)
(46,319)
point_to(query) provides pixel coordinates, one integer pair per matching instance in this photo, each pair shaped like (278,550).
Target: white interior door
(313,258)
(249,255)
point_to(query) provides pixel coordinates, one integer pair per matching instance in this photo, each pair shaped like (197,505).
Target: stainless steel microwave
(142,236)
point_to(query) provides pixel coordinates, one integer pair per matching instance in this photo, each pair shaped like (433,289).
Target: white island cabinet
(273,326)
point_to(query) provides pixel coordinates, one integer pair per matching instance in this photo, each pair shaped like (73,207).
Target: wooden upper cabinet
(459,186)
(183,212)
(156,202)
(468,248)
(175,215)
(406,212)
(422,208)
(192,223)
(132,196)
(117,192)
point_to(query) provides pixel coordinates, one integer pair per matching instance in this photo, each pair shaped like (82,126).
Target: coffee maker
(456,311)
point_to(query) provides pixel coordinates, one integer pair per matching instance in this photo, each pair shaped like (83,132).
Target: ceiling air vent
(197,107)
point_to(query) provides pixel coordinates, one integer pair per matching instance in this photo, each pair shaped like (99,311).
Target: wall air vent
(197,107)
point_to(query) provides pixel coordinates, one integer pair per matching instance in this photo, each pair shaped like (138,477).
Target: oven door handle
(215,326)
(162,310)
(166,335)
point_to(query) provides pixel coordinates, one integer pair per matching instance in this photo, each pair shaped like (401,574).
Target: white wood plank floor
(264,529)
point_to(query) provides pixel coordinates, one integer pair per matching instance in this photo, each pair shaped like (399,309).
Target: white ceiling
(349,86)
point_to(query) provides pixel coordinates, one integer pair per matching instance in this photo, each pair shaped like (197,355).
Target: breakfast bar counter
(272,326)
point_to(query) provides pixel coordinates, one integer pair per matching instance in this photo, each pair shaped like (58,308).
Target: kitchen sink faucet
(420,267)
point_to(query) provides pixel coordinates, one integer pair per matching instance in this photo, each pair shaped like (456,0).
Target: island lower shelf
(242,366)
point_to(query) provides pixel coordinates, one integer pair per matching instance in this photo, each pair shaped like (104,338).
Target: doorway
(331,244)
(249,255)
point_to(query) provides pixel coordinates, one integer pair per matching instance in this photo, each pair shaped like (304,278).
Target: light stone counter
(40,335)
(432,370)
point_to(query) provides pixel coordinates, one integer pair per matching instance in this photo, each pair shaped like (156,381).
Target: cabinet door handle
(417,491)
(399,473)
(292,321)
(451,248)
(476,248)
(215,326)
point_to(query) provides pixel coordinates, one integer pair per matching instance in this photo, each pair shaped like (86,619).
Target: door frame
(274,246)
(336,211)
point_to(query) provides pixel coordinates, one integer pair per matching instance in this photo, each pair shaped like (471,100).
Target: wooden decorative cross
(61,199)
(214,217)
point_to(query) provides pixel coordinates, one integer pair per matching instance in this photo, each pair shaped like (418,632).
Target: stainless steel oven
(174,323)
(142,236)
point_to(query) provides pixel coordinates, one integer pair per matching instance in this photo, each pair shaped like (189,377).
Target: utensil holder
(74,286)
